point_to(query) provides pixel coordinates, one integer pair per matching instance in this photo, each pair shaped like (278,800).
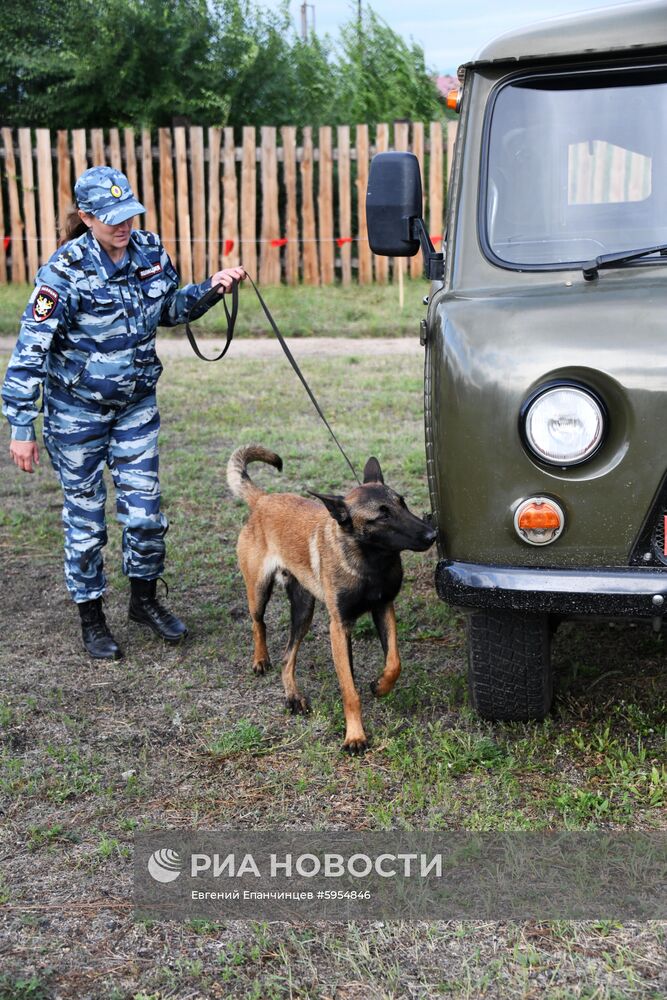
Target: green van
(546,340)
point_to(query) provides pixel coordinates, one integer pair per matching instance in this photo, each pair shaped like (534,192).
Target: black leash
(212,296)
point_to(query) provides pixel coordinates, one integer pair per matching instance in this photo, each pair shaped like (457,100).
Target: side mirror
(393,200)
(394,211)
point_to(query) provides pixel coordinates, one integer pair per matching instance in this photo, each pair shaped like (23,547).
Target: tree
(102,63)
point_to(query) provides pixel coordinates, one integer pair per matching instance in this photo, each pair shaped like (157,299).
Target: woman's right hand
(24,453)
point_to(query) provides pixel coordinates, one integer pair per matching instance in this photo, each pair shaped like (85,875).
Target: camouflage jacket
(92,334)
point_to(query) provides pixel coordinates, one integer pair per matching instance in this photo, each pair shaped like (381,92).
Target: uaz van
(546,340)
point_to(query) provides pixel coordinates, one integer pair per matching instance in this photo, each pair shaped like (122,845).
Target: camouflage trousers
(81,438)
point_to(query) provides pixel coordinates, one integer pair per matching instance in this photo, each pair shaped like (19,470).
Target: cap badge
(116,191)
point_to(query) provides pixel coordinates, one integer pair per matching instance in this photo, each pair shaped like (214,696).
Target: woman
(87,340)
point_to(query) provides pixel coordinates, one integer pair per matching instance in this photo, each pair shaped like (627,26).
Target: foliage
(223,62)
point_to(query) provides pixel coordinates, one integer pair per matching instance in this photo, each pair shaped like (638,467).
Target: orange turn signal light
(538,515)
(453,99)
(539,520)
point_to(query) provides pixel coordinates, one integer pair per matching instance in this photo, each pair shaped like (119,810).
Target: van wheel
(510,676)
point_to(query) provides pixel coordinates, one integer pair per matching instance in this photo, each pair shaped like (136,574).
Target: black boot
(147,610)
(97,638)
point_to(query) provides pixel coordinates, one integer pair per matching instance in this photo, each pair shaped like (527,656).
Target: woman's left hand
(227,278)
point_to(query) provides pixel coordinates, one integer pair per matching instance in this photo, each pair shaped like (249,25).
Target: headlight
(563,424)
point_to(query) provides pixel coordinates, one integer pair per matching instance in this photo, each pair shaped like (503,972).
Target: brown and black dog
(344,551)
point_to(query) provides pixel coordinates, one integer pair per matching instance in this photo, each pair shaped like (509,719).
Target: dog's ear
(373,472)
(336,506)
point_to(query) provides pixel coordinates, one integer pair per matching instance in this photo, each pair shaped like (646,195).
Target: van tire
(510,676)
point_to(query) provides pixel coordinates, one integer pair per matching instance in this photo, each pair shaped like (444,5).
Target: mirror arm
(434,262)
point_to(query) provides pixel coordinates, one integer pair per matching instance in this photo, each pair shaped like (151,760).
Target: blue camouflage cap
(106,193)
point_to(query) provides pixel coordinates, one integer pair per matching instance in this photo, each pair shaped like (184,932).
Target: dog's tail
(239,481)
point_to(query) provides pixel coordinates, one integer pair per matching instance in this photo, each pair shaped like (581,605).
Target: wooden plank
(288,135)
(416,262)
(131,161)
(311,270)
(365,268)
(97,145)
(231,249)
(198,211)
(47,215)
(167,210)
(65,197)
(79,151)
(147,188)
(249,201)
(381,263)
(114,149)
(16,229)
(183,206)
(344,203)
(325,205)
(3,254)
(214,256)
(269,263)
(400,266)
(436,219)
(29,214)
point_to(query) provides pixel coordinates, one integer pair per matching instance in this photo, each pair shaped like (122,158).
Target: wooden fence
(291,207)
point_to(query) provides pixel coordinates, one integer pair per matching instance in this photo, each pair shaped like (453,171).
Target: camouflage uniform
(87,339)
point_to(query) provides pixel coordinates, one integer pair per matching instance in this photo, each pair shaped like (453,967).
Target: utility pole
(305,7)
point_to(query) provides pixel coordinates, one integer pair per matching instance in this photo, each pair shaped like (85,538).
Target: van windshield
(576,166)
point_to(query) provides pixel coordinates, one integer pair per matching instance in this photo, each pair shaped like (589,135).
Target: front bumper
(594,591)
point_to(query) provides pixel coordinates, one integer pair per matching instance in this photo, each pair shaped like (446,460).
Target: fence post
(269,264)
(249,201)
(213,255)
(230,198)
(325,205)
(47,219)
(365,276)
(147,191)
(198,203)
(344,203)
(131,161)
(183,206)
(167,219)
(64,182)
(28,185)
(435,184)
(416,262)
(114,149)
(79,151)
(288,134)
(311,273)
(97,146)
(381,146)
(15,220)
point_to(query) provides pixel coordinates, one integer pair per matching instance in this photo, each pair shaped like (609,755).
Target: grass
(330,310)
(190,738)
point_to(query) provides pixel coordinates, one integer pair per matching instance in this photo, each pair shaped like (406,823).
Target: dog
(342,550)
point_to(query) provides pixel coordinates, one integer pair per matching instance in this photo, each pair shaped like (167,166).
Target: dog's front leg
(385,623)
(355,737)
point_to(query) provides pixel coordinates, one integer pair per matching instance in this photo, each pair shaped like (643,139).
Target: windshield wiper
(614,259)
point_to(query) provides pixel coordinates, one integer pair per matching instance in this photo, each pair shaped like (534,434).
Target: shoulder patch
(44,303)
(143,273)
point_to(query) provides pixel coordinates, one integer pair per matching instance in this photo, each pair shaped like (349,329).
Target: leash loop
(208,299)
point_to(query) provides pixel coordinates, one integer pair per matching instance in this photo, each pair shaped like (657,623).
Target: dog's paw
(355,747)
(374,689)
(298,705)
(261,667)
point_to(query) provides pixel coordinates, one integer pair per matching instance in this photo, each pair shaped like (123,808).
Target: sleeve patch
(44,303)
